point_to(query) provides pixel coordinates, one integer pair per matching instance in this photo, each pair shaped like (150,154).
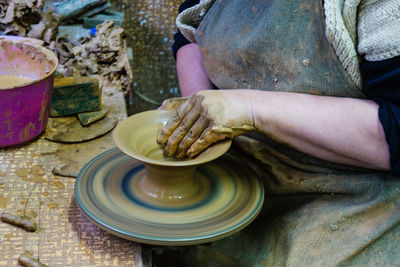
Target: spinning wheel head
(166,201)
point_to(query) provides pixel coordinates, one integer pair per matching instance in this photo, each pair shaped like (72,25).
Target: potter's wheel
(229,197)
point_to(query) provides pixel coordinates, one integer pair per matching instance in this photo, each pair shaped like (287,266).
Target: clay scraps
(103,56)
(26,18)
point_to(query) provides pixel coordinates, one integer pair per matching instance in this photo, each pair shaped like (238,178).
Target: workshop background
(150,26)
(37,177)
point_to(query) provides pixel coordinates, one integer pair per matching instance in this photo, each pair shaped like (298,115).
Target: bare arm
(342,130)
(191,74)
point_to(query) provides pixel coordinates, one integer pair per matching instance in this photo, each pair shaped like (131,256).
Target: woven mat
(65,237)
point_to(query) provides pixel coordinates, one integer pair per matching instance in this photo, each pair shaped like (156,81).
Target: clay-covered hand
(205,118)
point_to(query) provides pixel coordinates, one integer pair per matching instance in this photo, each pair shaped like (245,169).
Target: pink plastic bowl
(24,110)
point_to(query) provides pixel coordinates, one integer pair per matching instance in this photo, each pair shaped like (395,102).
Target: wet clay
(10,81)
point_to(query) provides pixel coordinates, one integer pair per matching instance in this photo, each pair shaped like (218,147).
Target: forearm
(342,130)
(191,73)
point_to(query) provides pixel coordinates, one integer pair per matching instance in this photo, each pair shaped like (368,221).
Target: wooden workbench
(65,237)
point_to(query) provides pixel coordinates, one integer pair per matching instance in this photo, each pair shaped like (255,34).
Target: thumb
(172,103)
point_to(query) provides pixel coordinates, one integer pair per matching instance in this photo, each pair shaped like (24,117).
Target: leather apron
(315,213)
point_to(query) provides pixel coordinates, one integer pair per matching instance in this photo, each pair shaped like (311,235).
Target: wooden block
(87,118)
(72,95)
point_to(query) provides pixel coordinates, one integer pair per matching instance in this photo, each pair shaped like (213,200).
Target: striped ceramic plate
(231,197)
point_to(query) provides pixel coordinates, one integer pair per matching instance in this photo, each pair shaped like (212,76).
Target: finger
(181,131)
(194,133)
(174,121)
(163,105)
(207,138)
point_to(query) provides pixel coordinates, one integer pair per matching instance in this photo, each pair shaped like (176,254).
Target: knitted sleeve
(379,29)
(179,39)
(367,29)
(190,19)
(341,31)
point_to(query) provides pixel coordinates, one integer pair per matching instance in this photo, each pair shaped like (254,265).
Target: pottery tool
(28,261)
(21,221)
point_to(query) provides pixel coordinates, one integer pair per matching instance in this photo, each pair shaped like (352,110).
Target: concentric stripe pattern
(230,197)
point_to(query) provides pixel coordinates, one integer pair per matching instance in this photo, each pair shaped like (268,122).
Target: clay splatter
(23,172)
(35,174)
(57,184)
(29,213)
(37,170)
(3,202)
(52,205)
(8,236)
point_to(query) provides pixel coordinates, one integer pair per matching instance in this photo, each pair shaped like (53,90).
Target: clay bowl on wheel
(168,180)
(136,136)
(26,80)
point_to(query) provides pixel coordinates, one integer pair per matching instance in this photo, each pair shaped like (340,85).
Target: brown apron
(316,213)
